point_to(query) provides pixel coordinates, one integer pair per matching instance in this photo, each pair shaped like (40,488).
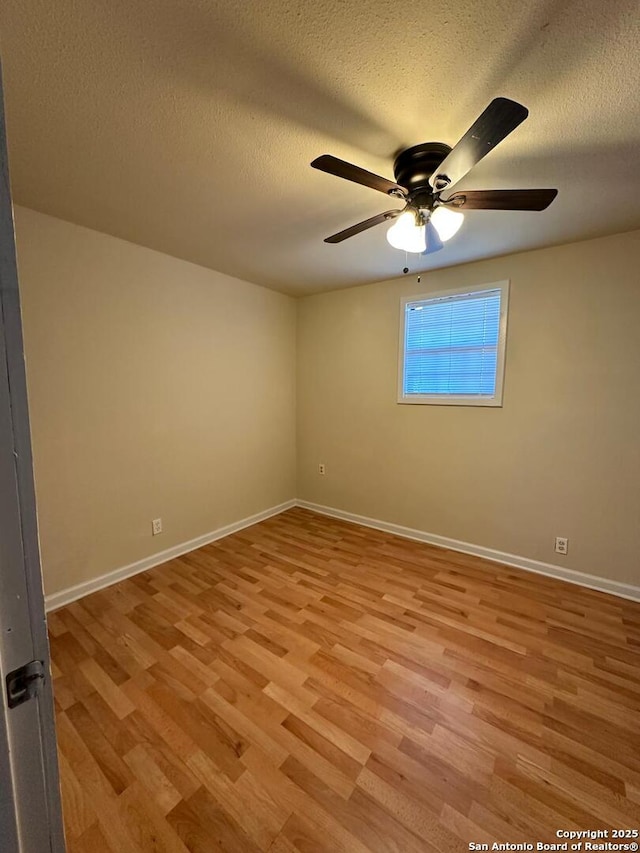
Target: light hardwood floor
(310,685)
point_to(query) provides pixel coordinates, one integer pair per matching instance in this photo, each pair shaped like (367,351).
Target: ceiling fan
(424,172)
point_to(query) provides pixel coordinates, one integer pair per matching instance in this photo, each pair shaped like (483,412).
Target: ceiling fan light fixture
(446,222)
(426,170)
(407,235)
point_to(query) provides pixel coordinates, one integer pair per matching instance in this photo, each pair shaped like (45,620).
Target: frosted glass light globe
(446,222)
(406,234)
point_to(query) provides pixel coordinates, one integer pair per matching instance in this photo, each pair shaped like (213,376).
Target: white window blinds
(453,346)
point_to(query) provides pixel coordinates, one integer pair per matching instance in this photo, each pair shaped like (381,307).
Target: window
(452,346)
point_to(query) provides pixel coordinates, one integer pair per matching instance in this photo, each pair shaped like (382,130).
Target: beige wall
(157,389)
(561,458)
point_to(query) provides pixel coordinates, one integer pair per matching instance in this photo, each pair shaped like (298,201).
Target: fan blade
(362,226)
(502,199)
(434,243)
(342,169)
(497,121)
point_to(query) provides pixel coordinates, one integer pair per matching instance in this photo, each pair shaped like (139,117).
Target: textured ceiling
(188,125)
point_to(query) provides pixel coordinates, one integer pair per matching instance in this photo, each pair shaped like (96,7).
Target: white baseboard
(66,596)
(72,593)
(623,590)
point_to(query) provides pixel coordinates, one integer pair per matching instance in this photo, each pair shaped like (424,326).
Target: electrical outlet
(562,545)
(321,468)
(156,526)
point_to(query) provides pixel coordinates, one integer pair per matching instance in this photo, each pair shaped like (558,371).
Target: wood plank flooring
(310,685)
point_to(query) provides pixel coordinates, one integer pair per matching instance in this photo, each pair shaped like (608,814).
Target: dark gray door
(30,815)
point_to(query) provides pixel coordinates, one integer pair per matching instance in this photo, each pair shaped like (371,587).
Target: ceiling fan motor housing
(414,166)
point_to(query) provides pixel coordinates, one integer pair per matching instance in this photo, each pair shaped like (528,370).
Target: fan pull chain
(406,267)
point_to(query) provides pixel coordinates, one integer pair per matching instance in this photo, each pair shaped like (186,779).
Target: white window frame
(458,399)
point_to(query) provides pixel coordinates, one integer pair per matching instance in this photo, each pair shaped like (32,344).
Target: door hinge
(24,683)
